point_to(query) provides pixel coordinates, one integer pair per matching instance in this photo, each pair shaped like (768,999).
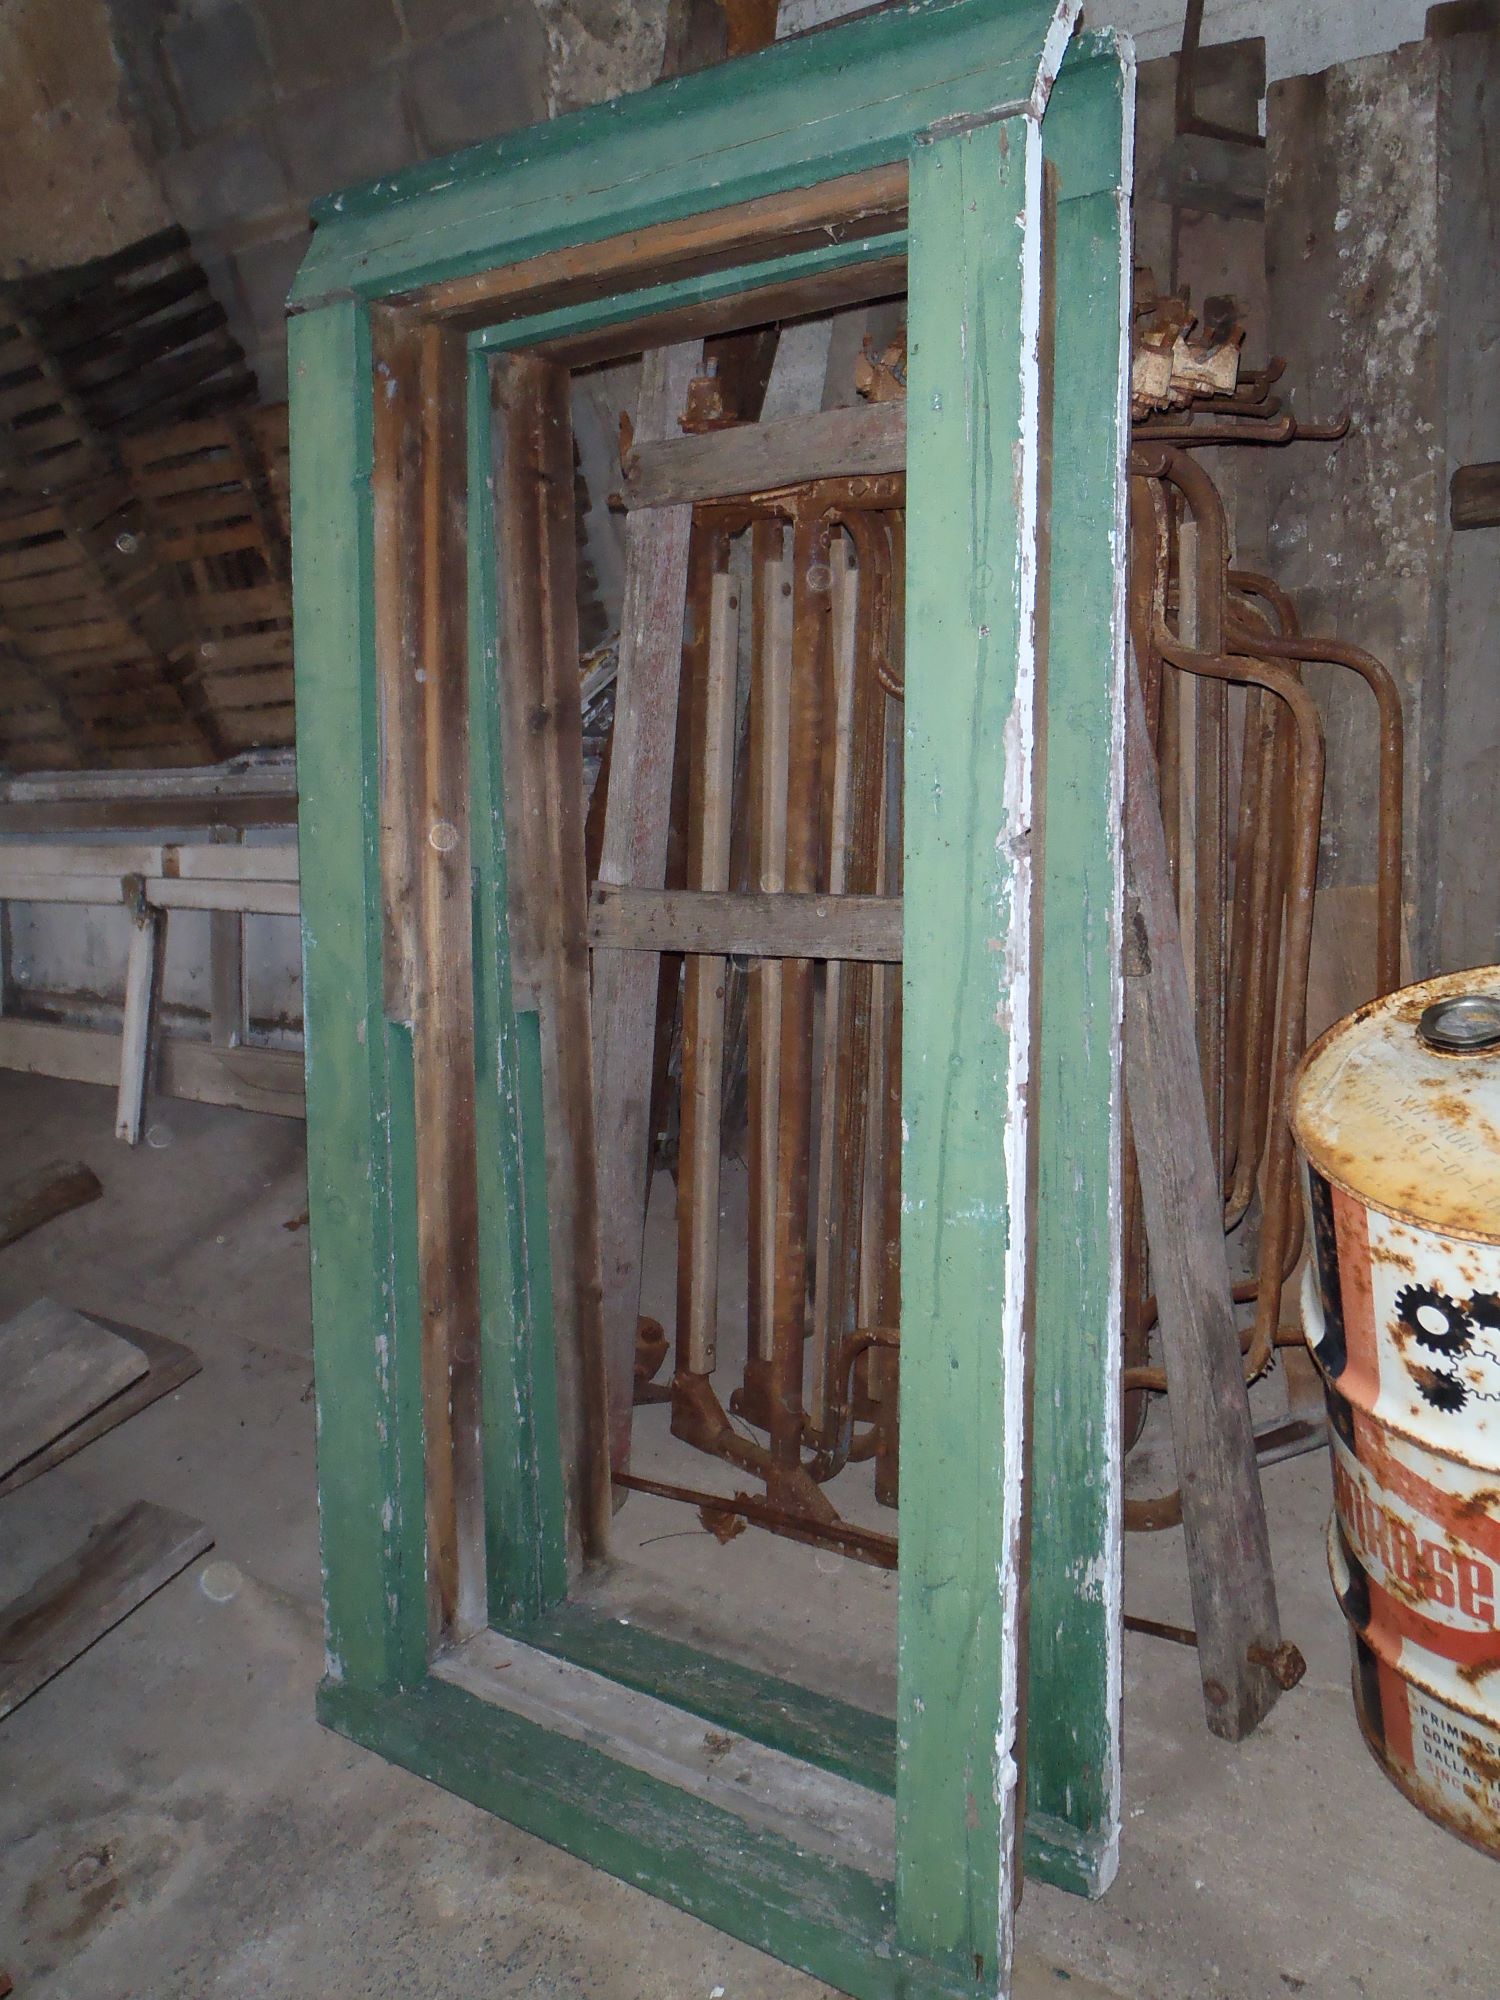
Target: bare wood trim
(771,226)
(757,458)
(794,298)
(749,925)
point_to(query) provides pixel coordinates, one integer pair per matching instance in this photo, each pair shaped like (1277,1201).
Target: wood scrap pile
(145,614)
(68,1380)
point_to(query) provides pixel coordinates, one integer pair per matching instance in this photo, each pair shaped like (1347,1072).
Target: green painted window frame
(1011,1160)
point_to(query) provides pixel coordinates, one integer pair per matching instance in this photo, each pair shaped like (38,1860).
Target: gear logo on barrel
(1450,1334)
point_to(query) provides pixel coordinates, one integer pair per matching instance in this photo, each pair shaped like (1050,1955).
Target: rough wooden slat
(634,856)
(755,458)
(749,923)
(78,1600)
(1228,1549)
(38,1195)
(57,1366)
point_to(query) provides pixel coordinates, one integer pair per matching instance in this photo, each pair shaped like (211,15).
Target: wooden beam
(758,458)
(752,924)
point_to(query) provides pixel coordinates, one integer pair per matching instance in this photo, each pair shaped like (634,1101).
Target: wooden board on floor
(86,1595)
(43,1193)
(57,1367)
(168,1365)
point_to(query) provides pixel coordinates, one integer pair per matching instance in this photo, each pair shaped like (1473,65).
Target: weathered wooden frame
(791,181)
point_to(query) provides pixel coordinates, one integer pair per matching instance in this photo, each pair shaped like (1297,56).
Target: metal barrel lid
(1399,1104)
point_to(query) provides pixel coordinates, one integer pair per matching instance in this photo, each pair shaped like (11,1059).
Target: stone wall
(1381,258)
(232,116)
(255,107)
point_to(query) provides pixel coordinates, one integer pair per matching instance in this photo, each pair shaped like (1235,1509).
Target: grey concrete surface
(174,1823)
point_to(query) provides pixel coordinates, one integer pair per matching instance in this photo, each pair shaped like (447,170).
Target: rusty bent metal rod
(1293,644)
(815,798)
(1203,501)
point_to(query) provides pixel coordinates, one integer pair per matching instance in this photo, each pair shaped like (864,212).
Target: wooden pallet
(213,499)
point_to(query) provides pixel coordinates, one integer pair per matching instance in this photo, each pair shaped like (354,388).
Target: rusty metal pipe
(1382,684)
(1276,1219)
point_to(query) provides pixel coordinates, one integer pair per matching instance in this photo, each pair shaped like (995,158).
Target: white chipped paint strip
(1059,34)
(823,1814)
(1114,1345)
(1020,763)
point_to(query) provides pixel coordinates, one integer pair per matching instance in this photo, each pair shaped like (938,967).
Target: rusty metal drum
(1397,1113)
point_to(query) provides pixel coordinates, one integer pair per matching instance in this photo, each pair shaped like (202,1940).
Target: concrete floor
(173,1822)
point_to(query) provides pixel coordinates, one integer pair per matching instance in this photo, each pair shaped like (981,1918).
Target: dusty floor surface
(173,1822)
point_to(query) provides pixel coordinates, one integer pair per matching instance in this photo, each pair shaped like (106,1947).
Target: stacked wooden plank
(127,343)
(213,498)
(95,664)
(129,620)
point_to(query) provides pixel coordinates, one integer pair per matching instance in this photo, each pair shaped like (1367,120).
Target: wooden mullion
(543,764)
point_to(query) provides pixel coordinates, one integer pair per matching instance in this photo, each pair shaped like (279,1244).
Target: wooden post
(226,966)
(143,969)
